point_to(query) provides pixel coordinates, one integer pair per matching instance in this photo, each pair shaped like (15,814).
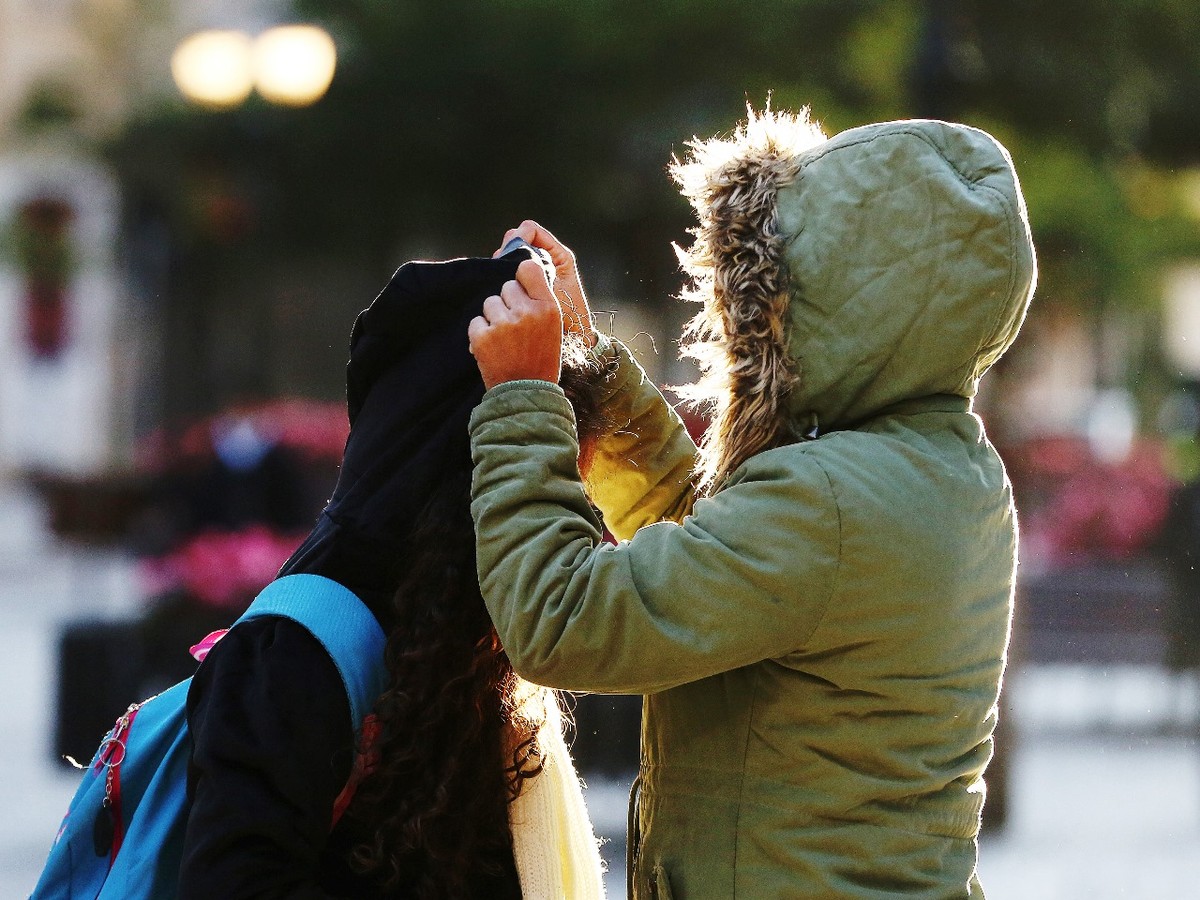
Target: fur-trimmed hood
(841,276)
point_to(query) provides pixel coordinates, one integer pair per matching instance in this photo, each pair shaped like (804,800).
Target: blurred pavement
(1105,771)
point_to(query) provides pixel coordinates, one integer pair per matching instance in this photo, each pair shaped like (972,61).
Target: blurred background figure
(197,197)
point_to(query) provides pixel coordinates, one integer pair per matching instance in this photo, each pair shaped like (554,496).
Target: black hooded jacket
(270,753)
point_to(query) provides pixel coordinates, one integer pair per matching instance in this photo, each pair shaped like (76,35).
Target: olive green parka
(821,639)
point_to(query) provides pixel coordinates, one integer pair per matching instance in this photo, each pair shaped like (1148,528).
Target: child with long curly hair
(449,774)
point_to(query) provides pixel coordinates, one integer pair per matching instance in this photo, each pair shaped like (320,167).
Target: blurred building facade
(82,349)
(61,361)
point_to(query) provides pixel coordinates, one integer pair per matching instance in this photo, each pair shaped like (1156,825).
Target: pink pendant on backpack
(200,650)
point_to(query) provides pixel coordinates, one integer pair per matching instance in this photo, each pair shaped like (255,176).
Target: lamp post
(289,65)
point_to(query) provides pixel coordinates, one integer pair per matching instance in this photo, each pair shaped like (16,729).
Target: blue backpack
(122,836)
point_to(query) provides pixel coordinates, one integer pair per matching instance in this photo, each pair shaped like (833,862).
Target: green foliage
(49,104)
(448,122)
(1111,77)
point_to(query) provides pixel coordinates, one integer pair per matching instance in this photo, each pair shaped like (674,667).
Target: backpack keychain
(107,831)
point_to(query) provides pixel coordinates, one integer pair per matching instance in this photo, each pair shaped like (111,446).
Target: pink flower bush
(222,569)
(1074,508)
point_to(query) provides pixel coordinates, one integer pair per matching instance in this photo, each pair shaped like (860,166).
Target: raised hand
(519,333)
(568,289)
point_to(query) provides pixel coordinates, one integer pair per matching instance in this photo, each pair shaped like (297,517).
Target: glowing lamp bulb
(213,68)
(294,64)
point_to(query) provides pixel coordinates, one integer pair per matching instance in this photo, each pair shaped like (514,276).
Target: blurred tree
(1099,104)
(1115,77)
(448,122)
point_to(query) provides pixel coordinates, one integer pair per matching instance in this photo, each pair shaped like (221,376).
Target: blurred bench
(1098,612)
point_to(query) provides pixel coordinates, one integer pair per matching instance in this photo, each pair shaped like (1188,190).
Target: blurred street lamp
(293,64)
(1181,319)
(214,68)
(290,65)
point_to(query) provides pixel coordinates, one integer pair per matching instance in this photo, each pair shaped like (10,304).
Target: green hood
(841,276)
(910,265)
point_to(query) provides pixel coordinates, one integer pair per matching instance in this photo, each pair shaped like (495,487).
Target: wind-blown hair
(738,274)
(456,743)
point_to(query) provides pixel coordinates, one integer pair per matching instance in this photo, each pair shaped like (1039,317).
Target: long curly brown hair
(454,746)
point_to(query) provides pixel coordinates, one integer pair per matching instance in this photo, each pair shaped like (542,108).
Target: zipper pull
(110,756)
(103,829)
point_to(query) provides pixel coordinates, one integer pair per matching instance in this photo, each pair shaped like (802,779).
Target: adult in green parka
(816,602)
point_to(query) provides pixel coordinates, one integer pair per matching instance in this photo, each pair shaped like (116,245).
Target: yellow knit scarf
(556,851)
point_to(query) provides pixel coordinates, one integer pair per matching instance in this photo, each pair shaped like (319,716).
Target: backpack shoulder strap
(342,623)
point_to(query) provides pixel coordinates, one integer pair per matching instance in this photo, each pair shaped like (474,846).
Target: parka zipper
(633,832)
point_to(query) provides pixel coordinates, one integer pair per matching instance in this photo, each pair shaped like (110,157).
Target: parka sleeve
(641,470)
(746,577)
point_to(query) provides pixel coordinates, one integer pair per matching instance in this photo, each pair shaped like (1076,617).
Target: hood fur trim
(738,273)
